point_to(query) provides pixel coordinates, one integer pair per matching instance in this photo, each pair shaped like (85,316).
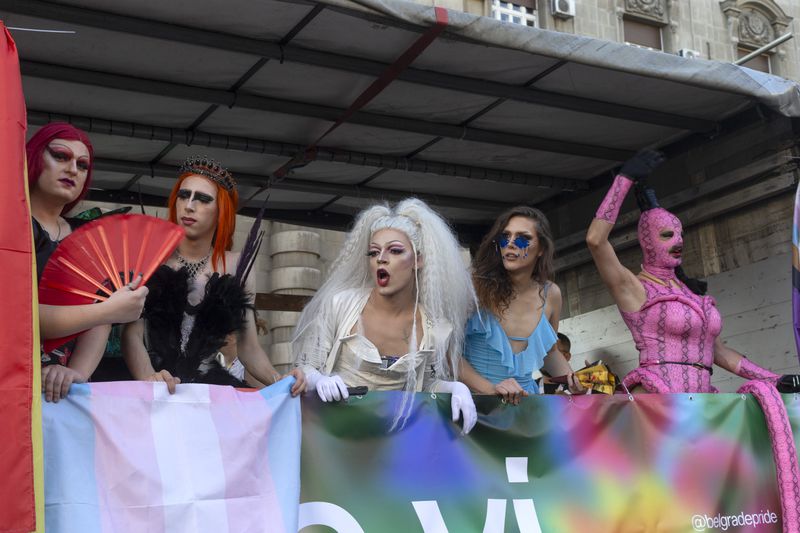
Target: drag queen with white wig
(391,314)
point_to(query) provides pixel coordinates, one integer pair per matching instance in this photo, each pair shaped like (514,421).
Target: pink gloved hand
(749,370)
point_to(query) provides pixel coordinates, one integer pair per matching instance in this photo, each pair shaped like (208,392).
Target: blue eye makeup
(520,241)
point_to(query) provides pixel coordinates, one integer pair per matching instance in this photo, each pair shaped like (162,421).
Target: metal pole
(766,48)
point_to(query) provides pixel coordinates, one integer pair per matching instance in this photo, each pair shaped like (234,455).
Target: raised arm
(623,284)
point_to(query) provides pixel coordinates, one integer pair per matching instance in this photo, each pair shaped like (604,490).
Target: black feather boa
(221,312)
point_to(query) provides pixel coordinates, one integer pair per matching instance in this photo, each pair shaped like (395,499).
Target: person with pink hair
(60,158)
(676,327)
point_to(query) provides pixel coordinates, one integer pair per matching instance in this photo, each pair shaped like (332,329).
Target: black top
(44,245)
(221,312)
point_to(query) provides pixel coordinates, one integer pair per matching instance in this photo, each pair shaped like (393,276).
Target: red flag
(19,358)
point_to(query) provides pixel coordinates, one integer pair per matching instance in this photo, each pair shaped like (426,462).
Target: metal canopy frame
(451,159)
(283,52)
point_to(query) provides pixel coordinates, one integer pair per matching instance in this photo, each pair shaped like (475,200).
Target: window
(757,63)
(642,34)
(514,13)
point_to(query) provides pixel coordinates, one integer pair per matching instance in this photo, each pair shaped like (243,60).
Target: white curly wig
(444,287)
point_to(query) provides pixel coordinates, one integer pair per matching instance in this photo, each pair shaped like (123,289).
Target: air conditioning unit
(691,54)
(564,8)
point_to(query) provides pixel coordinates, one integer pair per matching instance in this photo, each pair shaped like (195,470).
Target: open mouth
(676,252)
(511,256)
(382,277)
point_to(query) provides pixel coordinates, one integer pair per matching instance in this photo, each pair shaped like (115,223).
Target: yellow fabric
(598,377)
(36,406)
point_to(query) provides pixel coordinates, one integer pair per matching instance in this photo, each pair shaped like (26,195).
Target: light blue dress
(488,350)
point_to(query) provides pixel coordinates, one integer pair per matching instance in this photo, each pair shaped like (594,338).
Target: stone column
(295,270)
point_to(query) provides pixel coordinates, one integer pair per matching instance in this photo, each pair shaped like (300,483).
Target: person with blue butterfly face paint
(523,242)
(513,335)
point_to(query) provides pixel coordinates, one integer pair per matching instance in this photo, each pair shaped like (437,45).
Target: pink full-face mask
(657,258)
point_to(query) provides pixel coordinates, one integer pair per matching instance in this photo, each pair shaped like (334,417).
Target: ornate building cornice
(754,23)
(651,9)
(754,28)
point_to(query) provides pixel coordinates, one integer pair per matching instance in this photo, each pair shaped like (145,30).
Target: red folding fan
(101,257)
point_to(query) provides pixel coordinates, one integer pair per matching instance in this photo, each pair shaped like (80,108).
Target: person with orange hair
(201,295)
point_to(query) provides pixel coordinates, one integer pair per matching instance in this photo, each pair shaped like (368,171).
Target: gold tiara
(209,168)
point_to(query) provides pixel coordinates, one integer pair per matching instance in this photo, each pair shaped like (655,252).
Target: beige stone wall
(699,25)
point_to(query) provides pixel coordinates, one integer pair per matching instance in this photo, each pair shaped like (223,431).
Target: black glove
(642,164)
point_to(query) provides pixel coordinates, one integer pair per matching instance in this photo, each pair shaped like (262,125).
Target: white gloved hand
(460,402)
(329,388)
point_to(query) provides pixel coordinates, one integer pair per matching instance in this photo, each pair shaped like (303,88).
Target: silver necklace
(193,267)
(58,233)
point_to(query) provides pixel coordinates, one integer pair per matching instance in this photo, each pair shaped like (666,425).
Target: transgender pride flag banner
(129,457)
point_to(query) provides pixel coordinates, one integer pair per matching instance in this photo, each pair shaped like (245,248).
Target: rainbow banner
(129,457)
(660,463)
(21,445)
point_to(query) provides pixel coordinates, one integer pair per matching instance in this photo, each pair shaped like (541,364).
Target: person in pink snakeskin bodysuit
(676,327)
(675,330)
